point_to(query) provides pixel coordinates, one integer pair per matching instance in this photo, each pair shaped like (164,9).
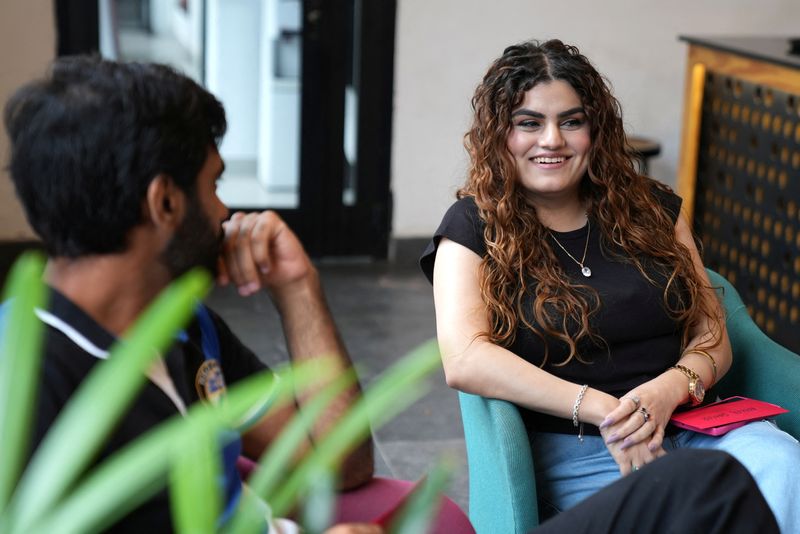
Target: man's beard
(196,243)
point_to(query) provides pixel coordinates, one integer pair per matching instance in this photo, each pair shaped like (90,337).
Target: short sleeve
(670,202)
(462,224)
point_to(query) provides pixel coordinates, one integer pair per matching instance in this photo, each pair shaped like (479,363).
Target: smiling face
(550,141)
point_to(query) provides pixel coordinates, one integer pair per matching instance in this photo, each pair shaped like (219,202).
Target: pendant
(587,272)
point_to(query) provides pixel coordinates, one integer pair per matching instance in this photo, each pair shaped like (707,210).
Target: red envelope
(725,415)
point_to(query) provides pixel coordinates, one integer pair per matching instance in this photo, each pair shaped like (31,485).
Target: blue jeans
(568,471)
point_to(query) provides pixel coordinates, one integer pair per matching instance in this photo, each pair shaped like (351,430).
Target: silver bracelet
(575,408)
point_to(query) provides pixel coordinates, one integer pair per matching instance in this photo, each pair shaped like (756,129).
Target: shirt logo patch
(209,382)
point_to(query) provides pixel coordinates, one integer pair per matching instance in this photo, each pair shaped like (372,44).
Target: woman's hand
(629,456)
(632,457)
(629,423)
(644,412)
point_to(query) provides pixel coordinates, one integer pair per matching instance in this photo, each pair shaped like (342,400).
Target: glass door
(253,64)
(307,88)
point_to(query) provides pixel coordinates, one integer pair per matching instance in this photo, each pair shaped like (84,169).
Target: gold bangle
(707,355)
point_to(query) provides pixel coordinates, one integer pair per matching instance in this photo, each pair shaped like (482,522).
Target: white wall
(233,30)
(279,98)
(161,16)
(443,48)
(27,45)
(187,26)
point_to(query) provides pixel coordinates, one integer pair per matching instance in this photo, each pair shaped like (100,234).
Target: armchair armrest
(502,486)
(762,369)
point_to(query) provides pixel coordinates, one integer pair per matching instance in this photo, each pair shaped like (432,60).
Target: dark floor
(383,311)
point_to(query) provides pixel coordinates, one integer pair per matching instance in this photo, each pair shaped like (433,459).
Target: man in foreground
(116,166)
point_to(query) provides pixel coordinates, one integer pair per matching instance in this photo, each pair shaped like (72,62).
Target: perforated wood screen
(747,198)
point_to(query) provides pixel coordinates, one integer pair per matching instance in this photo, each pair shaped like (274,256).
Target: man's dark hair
(87,140)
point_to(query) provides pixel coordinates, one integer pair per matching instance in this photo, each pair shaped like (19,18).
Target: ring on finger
(645,413)
(636,400)
(634,467)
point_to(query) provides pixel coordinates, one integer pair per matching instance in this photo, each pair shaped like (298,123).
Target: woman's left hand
(644,412)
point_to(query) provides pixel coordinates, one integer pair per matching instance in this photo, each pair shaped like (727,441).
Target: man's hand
(261,251)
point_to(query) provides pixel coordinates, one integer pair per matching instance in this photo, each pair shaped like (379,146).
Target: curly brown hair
(520,260)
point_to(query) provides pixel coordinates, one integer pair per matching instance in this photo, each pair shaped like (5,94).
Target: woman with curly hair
(569,284)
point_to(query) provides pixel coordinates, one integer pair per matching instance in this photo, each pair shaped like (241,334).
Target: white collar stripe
(69,331)
(158,374)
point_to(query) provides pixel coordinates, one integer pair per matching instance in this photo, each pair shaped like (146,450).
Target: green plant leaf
(104,396)
(420,508)
(195,495)
(50,498)
(277,460)
(138,471)
(319,504)
(20,360)
(252,515)
(391,393)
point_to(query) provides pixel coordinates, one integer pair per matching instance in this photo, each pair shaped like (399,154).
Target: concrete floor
(383,311)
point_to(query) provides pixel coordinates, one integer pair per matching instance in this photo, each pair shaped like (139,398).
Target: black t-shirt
(66,364)
(642,340)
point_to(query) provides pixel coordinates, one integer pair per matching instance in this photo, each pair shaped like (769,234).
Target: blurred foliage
(60,490)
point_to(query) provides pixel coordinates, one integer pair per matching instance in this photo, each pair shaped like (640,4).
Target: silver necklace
(585,271)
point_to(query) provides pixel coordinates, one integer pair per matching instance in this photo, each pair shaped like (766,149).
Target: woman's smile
(550,141)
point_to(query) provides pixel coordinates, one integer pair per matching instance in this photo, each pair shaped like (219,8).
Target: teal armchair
(762,369)
(502,487)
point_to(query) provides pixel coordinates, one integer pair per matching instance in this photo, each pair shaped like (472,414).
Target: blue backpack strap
(208,334)
(232,482)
